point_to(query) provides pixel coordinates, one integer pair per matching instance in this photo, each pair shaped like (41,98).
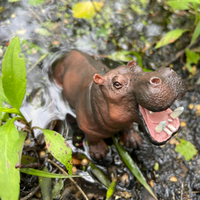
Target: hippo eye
(117,85)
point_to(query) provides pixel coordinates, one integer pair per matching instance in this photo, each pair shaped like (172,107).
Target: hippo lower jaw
(160,126)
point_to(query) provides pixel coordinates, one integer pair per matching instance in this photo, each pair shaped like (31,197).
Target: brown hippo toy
(109,101)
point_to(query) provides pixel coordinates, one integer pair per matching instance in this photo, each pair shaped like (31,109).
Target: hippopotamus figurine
(109,101)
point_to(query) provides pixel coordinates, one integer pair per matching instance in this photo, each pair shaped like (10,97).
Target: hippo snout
(156,91)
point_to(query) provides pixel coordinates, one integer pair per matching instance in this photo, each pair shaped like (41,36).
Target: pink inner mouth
(152,120)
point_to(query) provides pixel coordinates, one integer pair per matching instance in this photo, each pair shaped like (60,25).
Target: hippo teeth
(150,112)
(172,128)
(177,112)
(161,126)
(167,131)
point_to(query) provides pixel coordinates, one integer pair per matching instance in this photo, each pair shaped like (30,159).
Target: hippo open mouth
(160,126)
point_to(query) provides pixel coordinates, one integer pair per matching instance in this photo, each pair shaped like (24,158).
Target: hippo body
(108,101)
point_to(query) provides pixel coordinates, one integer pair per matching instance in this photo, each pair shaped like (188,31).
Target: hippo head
(148,95)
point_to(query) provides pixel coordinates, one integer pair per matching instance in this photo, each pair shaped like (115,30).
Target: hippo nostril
(155,81)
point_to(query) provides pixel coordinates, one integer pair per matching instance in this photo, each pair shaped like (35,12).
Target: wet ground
(48,30)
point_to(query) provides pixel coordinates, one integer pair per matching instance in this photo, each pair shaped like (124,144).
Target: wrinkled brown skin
(106,101)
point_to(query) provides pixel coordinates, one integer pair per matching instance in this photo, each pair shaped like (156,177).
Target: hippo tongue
(153,119)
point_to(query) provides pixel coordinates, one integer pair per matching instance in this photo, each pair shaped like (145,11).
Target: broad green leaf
(187,149)
(2,94)
(99,175)
(35,2)
(14,74)
(86,9)
(177,5)
(9,181)
(1,104)
(132,166)
(111,189)
(121,56)
(125,56)
(46,186)
(22,137)
(36,172)
(42,31)
(192,58)
(170,37)
(10,110)
(59,148)
(196,32)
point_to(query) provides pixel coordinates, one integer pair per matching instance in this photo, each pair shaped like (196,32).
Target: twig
(31,193)
(40,59)
(181,191)
(179,54)
(64,172)
(35,15)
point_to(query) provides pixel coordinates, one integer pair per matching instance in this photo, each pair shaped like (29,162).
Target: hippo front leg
(97,147)
(131,138)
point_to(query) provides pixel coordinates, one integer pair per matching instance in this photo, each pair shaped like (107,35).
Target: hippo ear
(131,63)
(98,79)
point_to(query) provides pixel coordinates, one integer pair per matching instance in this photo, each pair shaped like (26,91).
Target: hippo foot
(98,150)
(131,139)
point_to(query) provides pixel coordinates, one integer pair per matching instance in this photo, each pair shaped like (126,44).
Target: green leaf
(13,1)
(177,5)
(42,31)
(132,166)
(14,74)
(59,148)
(125,57)
(196,32)
(192,58)
(1,104)
(187,149)
(9,181)
(2,94)
(35,2)
(110,189)
(10,110)
(86,10)
(46,186)
(22,137)
(156,166)
(36,172)
(170,37)
(99,174)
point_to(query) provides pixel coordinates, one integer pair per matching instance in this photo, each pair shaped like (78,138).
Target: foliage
(173,35)
(36,172)
(170,37)
(111,189)
(59,148)
(14,75)
(132,166)
(35,2)
(99,175)
(192,58)
(12,91)
(87,9)
(187,149)
(125,56)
